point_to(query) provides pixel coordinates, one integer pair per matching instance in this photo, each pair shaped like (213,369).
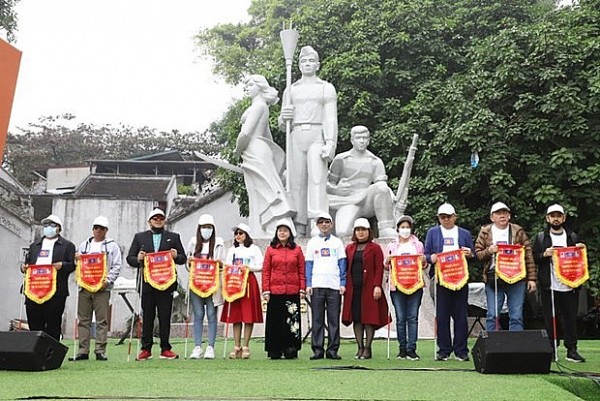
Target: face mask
(404,232)
(206,232)
(50,232)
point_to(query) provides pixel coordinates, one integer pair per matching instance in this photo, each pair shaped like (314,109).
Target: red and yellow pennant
(204,277)
(91,271)
(40,283)
(452,270)
(571,265)
(407,273)
(510,263)
(159,270)
(235,280)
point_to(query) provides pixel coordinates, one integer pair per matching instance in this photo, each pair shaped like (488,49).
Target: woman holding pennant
(205,251)
(406,260)
(240,289)
(283,285)
(365,305)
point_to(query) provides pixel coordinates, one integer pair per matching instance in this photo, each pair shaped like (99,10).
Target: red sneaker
(168,354)
(144,355)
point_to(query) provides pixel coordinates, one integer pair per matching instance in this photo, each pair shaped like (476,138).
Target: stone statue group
(349,185)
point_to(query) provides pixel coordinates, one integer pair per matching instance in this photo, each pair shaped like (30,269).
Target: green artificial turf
(261,379)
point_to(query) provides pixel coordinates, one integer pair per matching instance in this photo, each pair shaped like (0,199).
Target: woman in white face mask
(205,245)
(406,306)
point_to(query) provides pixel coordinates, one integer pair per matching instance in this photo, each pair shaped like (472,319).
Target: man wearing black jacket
(565,298)
(155,240)
(60,253)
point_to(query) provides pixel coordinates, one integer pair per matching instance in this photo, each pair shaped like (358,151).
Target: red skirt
(247,309)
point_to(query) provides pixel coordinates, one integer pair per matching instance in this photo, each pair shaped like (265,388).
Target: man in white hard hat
(497,291)
(325,283)
(156,239)
(96,303)
(566,299)
(52,249)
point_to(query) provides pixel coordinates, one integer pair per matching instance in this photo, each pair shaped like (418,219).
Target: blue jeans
(198,305)
(515,297)
(407,317)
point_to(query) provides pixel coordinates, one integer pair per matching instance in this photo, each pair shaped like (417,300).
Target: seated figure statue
(357,187)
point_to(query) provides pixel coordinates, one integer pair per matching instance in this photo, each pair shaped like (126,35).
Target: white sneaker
(210,353)
(197,352)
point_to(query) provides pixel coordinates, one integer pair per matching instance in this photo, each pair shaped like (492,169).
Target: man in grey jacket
(97,302)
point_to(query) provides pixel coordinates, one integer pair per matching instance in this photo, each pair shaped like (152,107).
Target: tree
(60,141)
(8,18)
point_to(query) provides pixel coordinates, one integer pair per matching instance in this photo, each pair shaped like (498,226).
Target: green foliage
(518,82)
(8,18)
(183,189)
(61,141)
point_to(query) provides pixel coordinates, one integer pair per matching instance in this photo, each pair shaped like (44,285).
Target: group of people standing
(344,283)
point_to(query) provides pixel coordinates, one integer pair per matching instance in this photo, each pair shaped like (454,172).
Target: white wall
(14,235)
(66,177)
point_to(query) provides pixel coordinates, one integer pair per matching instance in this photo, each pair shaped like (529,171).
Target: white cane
(187,320)
(554,325)
(496,311)
(435,323)
(75,324)
(135,320)
(226,329)
(389,317)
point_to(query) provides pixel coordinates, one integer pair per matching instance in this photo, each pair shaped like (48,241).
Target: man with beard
(566,299)
(156,239)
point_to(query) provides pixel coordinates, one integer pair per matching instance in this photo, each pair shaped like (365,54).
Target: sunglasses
(99,228)
(238,232)
(323,221)
(53,225)
(159,218)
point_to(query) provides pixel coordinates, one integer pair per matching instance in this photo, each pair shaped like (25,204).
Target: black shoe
(359,353)
(333,355)
(412,356)
(81,357)
(316,356)
(366,354)
(100,356)
(401,354)
(290,353)
(573,356)
(462,357)
(441,357)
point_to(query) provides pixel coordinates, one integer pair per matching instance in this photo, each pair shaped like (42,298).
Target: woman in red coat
(364,303)
(283,284)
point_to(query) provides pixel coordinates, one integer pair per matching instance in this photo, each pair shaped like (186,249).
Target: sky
(131,62)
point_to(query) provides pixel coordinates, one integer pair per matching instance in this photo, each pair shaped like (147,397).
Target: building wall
(66,177)
(15,235)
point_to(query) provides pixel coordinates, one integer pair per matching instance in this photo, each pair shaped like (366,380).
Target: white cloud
(121,61)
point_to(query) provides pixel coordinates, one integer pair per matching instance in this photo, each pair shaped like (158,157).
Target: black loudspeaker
(30,350)
(526,351)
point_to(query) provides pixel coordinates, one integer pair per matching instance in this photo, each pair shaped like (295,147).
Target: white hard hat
(100,221)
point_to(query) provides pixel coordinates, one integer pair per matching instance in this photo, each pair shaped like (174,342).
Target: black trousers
(326,301)
(154,300)
(565,305)
(47,316)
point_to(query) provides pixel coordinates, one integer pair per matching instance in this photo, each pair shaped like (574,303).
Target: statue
(310,107)
(262,161)
(357,187)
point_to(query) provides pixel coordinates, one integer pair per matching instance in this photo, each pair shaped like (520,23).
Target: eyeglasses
(99,228)
(158,217)
(323,221)
(445,216)
(53,225)
(238,232)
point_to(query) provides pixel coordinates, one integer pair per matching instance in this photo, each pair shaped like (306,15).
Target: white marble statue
(357,187)
(262,161)
(310,104)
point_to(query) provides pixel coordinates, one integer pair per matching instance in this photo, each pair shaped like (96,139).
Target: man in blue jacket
(445,237)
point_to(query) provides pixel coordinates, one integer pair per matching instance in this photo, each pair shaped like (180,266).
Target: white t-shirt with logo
(558,241)
(499,236)
(325,254)
(450,238)
(45,255)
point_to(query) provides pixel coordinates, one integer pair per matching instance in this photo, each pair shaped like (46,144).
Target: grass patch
(263,379)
